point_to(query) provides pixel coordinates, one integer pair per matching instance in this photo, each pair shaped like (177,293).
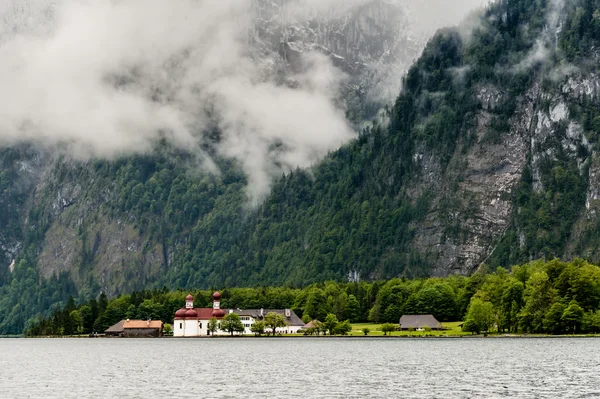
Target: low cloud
(105,78)
(546,44)
(430,15)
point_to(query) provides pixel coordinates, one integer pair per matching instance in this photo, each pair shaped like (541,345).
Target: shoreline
(404,337)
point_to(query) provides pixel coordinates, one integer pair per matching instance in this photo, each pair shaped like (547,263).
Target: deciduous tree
(573,316)
(274,320)
(343,328)
(330,323)
(480,316)
(258,328)
(213,326)
(232,324)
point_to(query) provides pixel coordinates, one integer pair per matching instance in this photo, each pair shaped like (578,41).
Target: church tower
(217,311)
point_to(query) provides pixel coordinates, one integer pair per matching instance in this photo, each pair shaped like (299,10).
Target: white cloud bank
(430,15)
(103,78)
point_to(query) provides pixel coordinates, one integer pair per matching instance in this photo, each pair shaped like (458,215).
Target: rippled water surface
(297,367)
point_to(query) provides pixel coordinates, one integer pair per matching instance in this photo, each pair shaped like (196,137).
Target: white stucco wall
(178,328)
(191,328)
(199,328)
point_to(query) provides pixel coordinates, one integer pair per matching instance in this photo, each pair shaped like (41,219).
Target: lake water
(298,367)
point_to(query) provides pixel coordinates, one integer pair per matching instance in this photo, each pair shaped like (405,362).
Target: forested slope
(538,297)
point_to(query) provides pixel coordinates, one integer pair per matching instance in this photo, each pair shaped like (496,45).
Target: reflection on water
(298,367)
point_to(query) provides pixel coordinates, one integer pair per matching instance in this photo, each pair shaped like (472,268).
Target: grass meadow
(450,329)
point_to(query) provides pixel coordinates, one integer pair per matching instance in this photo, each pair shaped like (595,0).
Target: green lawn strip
(450,329)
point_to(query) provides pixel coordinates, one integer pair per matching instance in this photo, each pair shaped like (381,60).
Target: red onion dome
(191,314)
(189,297)
(217,296)
(218,313)
(180,314)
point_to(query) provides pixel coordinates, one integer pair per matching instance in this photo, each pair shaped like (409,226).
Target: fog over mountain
(108,78)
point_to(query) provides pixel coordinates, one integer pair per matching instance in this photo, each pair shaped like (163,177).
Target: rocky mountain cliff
(517,181)
(489,156)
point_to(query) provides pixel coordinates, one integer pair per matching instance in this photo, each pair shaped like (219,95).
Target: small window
(180,325)
(200,324)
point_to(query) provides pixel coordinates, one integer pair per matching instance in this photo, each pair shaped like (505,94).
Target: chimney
(261,312)
(288,313)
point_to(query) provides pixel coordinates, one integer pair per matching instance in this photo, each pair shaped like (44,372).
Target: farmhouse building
(419,321)
(194,322)
(251,316)
(136,328)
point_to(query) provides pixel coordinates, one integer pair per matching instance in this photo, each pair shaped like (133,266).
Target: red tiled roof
(206,313)
(157,324)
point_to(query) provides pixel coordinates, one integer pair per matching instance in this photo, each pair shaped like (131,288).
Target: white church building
(193,322)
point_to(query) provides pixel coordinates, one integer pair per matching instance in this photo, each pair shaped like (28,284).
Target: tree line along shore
(540,297)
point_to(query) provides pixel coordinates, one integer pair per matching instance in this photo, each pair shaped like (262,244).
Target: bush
(343,328)
(258,328)
(388,328)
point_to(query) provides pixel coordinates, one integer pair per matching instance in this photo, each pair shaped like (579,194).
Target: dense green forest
(353,214)
(539,297)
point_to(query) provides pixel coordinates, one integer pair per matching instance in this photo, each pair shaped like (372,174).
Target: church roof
(204,314)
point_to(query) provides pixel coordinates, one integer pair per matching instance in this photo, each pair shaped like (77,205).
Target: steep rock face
(474,211)
(585,241)
(520,182)
(111,252)
(470,217)
(21,170)
(63,218)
